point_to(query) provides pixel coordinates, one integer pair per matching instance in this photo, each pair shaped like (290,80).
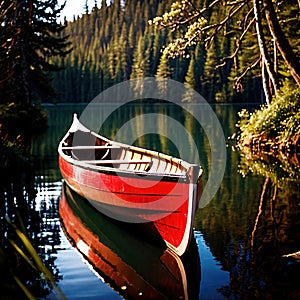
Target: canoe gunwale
(165,176)
(129,173)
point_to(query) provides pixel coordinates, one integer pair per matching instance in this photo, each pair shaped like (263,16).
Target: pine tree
(86,7)
(190,80)
(199,55)
(30,37)
(164,72)
(159,41)
(140,67)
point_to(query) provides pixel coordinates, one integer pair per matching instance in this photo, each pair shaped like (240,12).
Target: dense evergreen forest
(113,43)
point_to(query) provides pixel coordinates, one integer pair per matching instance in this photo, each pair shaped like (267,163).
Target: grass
(24,273)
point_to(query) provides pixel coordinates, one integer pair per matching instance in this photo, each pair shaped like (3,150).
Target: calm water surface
(241,235)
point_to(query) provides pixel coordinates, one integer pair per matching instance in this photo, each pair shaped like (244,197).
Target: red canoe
(158,192)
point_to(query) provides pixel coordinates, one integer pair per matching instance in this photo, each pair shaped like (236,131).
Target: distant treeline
(113,43)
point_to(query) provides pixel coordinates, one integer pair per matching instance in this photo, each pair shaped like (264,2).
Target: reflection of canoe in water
(132,184)
(135,268)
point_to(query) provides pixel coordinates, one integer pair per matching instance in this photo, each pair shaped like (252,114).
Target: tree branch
(238,45)
(221,24)
(239,78)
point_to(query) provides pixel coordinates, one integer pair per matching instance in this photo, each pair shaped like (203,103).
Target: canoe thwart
(89,147)
(115,161)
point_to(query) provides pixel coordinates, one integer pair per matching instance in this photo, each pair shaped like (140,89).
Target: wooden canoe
(132,184)
(132,266)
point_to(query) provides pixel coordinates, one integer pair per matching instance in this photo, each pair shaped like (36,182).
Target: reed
(31,257)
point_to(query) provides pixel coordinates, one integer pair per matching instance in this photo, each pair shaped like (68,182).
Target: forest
(228,51)
(73,61)
(117,42)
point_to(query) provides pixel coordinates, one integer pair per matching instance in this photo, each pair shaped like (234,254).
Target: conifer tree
(140,67)
(158,43)
(211,78)
(164,72)
(116,43)
(86,7)
(199,57)
(190,80)
(30,37)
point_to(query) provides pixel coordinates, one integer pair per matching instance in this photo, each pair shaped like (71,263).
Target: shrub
(17,124)
(280,120)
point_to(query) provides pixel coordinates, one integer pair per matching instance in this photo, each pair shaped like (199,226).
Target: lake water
(241,235)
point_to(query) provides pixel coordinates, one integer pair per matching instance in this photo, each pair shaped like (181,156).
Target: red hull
(164,202)
(166,206)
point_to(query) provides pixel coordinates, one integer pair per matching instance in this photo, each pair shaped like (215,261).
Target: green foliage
(191,37)
(180,12)
(176,11)
(12,158)
(111,44)
(30,36)
(18,123)
(280,121)
(164,70)
(117,42)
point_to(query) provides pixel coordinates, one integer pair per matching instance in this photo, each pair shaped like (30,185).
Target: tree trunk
(263,51)
(265,82)
(281,41)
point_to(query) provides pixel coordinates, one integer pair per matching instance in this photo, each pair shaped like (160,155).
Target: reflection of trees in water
(258,269)
(250,226)
(281,168)
(19,215)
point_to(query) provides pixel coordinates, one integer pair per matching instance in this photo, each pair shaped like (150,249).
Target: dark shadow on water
(26,261)
(252,226)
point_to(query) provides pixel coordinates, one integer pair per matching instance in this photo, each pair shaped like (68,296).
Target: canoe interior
(98,151)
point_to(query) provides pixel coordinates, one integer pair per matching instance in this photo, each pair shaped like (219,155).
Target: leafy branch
(199,27)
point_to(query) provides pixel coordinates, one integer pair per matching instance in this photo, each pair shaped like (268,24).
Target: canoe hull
(169,206)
